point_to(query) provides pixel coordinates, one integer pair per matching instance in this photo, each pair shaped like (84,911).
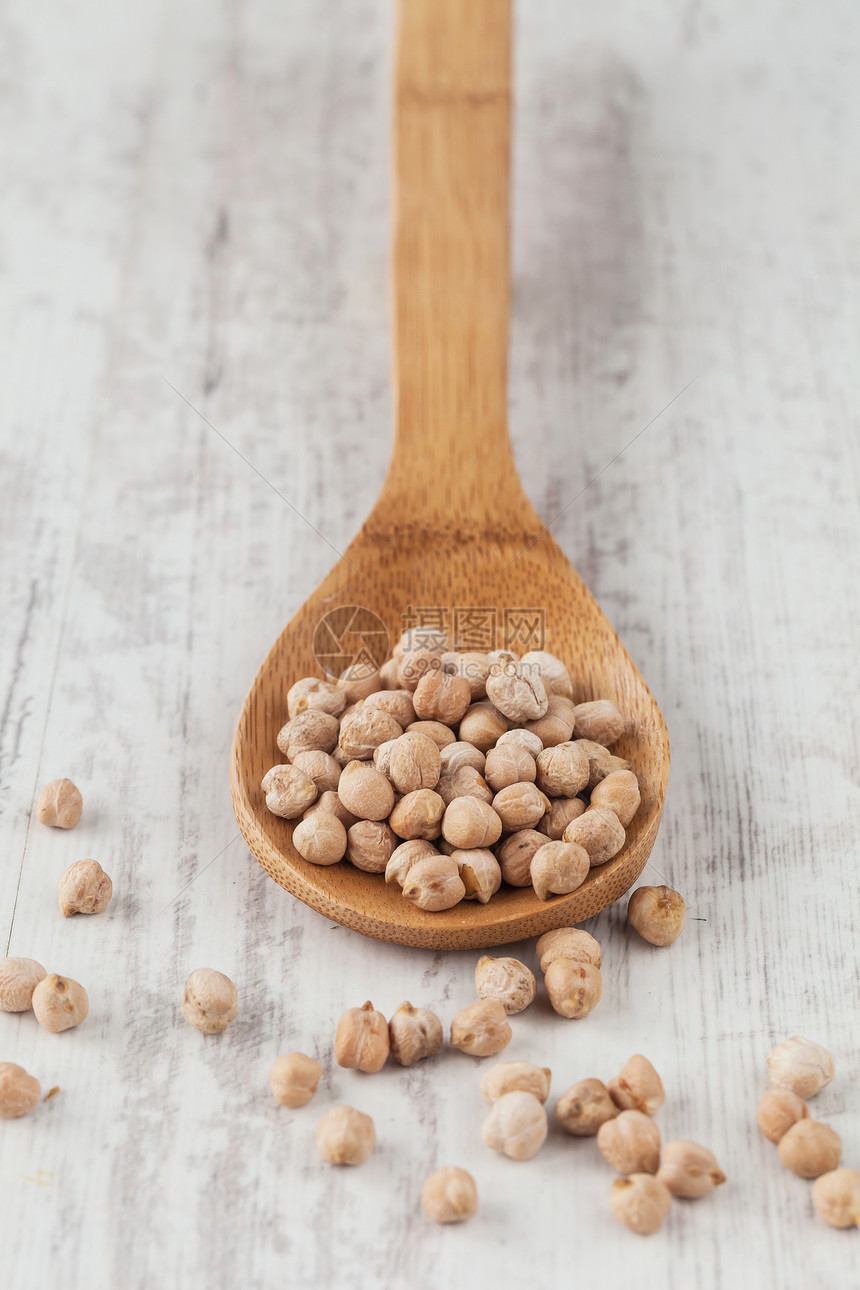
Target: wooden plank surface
(195,197)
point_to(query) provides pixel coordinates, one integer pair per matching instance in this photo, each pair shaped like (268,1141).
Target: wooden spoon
(452,527)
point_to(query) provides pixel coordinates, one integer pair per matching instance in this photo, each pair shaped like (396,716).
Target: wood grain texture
(198,191)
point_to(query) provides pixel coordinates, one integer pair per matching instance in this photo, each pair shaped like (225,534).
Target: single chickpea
(465,782)
(365,791)
(370,845)
(331,803)
(630,1143)
(599,721)
(556,725)
(515,856)
(518,695)
(480,872)
(559,868)
(520,807)
(441,697)
(640,1202)
(361,1041)
(482,725)
(657,913)
(59,804)
(637,1087)
(397,703)
(810,1148)
(506,1077)
(210,1001)
(482,1029)
(454,757)
(601,762)
(404,857)
(313,729)
(470,824)
(441,734)
(345,1136)
(364,730)
(472,666)
(568,943)
(59,1003)
(562,810)
(551,670)
(836,1197)
(574,989)
(507,980)
(414,1033)
(311,692)
(778,1110)
(689,1170)
(414,763)
(523,739)
(449,1195)
(18,979)
(294,1079)
(84,888)
(600,832)
(19,1091)
(801,1065)
(584,1107)
(434,884)
(516,1125)
(509,764)
(562,771)
(618,792)
(320,839)
(321,768)
(288,791)
(418,815)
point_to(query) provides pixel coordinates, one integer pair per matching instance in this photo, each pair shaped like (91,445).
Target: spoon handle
(452,116)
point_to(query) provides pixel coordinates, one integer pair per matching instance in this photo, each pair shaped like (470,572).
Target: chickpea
(574,989)
(321,768)
(689,1170)
(600,832)
(414,664)
(312,729)
(59,804)
(441,697)
(562,811)
(505,1077)
(558,868)
(449,1195)
(568,943)
(801,1065)
(474,667)
(601,762)
(361,1041)
(516,1125)
(521,738)
(441,735)
(320,839)
(482,1029)
(434,884)
(418,815)
(330,802)
(778,1110)
(515,856)
(507,980)
(414,1033)
(551,670)
(656,913)
(311,692)
(520,807)
(638,1087)
(288,791)
(482,725)
(397,703)
(618,792)
(509,764)
(210,1001)
(562,771)
(60,1003)
(345,1136)
(640,1202)
(454,757)
(518,696)
(364,729)
(18,979)
(294,1079)
(414,763)
(365,791)
(359,681)
(404,857)
(470,824)
(19,1092)
(84,888)
(630,1143)
(810,1148)
(556,725)
(480,872)
(584,1107)
(599,721)
(836,1197)
(370,845)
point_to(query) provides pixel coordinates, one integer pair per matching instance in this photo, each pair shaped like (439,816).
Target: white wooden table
(195,196)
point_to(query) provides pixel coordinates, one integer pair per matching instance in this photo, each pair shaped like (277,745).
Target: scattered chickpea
(689,1170)
(556,724)
(311,692)
(59,804)
(584,1107)
(657,913)
(810,1148)
(404,857)
(800,1065)
(552,671)
(507,980)
(294,1079)
(505,1077)
(836,1197)
(210,1001)
(520,806)
(599,721)
(516,1125)
(59,1003)
(84,888)
(562,811)
(568,943)
(470,824)
(370,845)
(630,1143)
(637,1087)
(480,872)
(18,979)
(19,1091)
(557,868)
(418,815)
(574,989)
(618,792)
(345,1136)
(600,832)
(361,1041)
(288,791)
(320,838)
(562,770)
(482,1029)
(365,791)
(640,1202)
(434,884)
(414,1033)
(515,856)
(778,1110)
(449,1195)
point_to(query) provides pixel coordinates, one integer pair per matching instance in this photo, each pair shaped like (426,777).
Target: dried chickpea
(382,757)
(414,762)
(574,989)
(470,824)
(441,734)
(449,1195)
(359,681)
(365,791)
(521,738)
(584,1107)
(60,1003)
(516,1125)
(509,764)
(84,888)
(330,802)
(836,1197)
(321,768)
(320,839)
(472,666)
(370,845)
(18,979)
(19,1091)
(657,913)
(562,771)
(454,757)
(520,807)
(59,804)
(801,1065)
(404,857)
(637,1087)
(345,1136)
(778,1110)
(568,943)
(515,856)
(311,692)
(361,1040)
(465,782)
(210,1001)
(520,696)
(294,1079)
(640,1202)
(552,671)
(418,815)
(618,792)
(441,697)
(482,1029)
(507,980)
(556,725)
(557,868)
(601,762)
(482,725)
(600,832)
(414,664)
(506,1077)
(414,1033)
(810,1148)
(313,729)
(364,730)
(480,872)
(599,721)
(397,703)
(288,791)
(562,810)
(689,1170)
(630,1143)
(434,884)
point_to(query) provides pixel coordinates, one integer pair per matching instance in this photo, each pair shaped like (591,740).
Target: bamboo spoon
(452,526)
